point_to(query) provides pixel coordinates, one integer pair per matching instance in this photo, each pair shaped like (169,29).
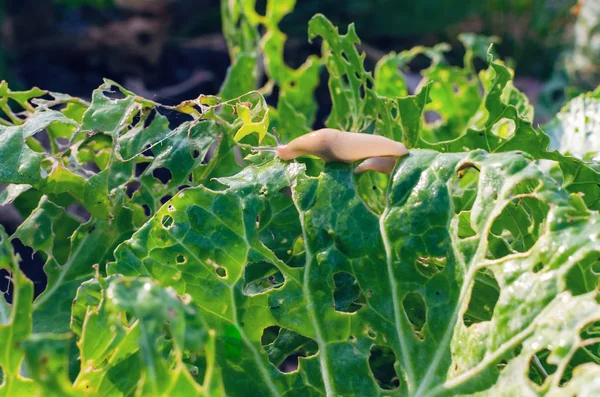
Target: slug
(334,145)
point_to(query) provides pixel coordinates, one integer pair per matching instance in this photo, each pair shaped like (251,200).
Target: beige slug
(334,145)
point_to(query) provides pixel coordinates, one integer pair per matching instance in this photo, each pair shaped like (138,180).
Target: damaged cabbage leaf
(419,266)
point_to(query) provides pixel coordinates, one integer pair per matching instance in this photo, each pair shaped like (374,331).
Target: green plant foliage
(179,263)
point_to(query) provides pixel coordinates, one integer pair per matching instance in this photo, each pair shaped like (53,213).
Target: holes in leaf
(464,187)
(583,277)
(484,297)
(416,312)
(371,333)
(284,347)
(539,368)
(113,93)
(62,143)
(181,259)
(196,153)
(79,212)
(131,188)
(517,228)
(381,363)
(167,221)
(165,198)
(430,266)
(151,115)
(260,277)
(347,296)
(147,210)
(32,264)
(221,272)
(140,168)
(163,175)
(501,365)
(504,128)
(40,142)
(6,287)
(372,187)
(298,254)
(589,351)
(45,168)
(433,117)
(261,7)
(92,167)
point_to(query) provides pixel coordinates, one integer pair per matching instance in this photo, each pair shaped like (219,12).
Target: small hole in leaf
(519,225)
(131,188)
(167,221)
(162,174)
(151,115)
(261,7)
(347,296)
(583,277)
(416,312)
(113,93)
(170,208)
(381,363)
(221,272)
(79,212)
(140,168)
(284,347)
(147,211)
(196,154)
(181,259)
(484,297)
(501,365)
(32,263)
(539,368)
(6,288)
(432,117)
(269,335)
(62,143)
(260,277)
(371,334)
(165,198)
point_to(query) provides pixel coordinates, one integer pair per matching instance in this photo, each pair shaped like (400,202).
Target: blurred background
(172,50)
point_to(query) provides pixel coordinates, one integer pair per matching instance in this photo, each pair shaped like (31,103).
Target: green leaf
(159,341)
(384,255)
(15,323)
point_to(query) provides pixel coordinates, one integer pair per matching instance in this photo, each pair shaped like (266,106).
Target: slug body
(334,145)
